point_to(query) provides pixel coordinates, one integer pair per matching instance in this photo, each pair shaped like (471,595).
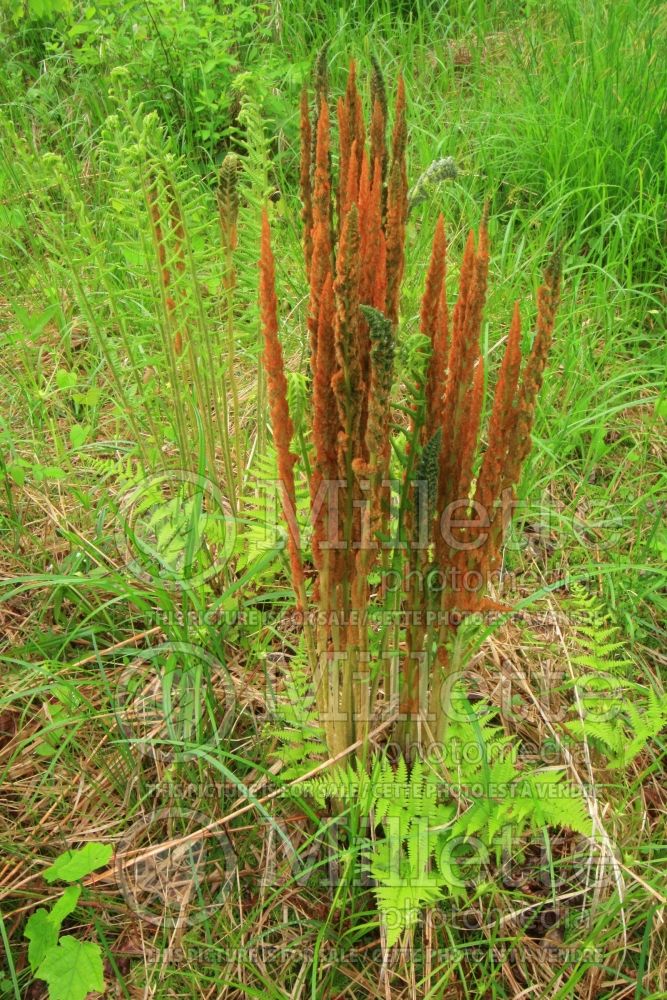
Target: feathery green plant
(424,826)
(295,726)
(613,710)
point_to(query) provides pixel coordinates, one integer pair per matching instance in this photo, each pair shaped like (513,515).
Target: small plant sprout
(72,968)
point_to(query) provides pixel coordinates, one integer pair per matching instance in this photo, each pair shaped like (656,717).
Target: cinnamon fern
(457,475)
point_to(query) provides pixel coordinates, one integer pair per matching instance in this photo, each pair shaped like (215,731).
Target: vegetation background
(555,113)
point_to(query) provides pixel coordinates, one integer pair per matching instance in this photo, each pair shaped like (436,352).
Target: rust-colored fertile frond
(352,192)
(321,73)
(471,412)
(351,139)
(471,323)
(518,431)
(320,270)
(518,424)
(508,379)
(348,383)
(373,278)
(431,327)
(325,419)
(364,197)
(464,393)
(359,127)
(380,284)
(378,86)
(281,422)
(320,91)
(379,115)
(502,420)
(370,230)
(325,413)
(305,180)
(395,236)
(382,335)
(477,296)
(498,455)
(344,144)
(469,433)
(441,348)
(370,225)
(355,115)
(378,140)
(321,262)
(397,207)
(548,297)
(464,351)
(383,349)
(399,139)
(434,277)
(455,386)
(322,173)
(465,282)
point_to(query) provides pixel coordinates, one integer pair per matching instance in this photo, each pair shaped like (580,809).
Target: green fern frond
(261,530)
(621,729)
(297,398)
(600,659)
(418,825)
(297,730)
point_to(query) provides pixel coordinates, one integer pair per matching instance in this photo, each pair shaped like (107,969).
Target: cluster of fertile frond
(278,407)
(456,502)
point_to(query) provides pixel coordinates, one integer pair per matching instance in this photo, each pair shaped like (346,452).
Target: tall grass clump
(581,136)
(554,111)
(440,531)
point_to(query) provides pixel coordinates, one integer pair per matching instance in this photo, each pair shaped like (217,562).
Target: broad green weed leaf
(73,969)
(74,865)
(43,927)
(65,379)
(42,934)
(78,434)
(65,905)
